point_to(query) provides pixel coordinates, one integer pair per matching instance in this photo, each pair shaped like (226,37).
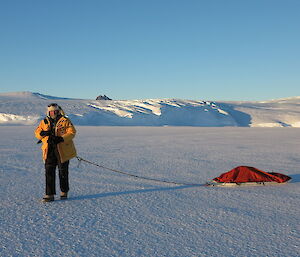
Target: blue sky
(191,49)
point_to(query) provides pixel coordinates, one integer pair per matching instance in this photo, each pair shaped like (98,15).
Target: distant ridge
(27,108)
(49,97)
(27,94)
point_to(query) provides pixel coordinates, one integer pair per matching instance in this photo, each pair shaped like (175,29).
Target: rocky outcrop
(103,97)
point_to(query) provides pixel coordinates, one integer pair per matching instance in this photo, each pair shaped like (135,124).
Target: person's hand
(57,140)
(45,133)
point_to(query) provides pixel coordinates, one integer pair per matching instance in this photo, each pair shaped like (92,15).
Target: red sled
(245,175)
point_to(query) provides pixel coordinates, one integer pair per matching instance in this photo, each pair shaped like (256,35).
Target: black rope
(135,176)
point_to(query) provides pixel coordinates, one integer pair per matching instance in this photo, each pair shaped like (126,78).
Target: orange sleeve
(38,130)
(70,131)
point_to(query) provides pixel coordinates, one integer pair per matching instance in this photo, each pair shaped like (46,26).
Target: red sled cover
(243,174)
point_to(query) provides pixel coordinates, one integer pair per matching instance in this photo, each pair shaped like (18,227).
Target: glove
(57,140)
(45,133)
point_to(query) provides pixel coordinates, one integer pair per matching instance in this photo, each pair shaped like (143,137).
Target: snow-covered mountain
(27,108)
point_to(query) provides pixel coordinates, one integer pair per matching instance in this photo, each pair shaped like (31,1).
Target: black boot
(63,196)
(48,198)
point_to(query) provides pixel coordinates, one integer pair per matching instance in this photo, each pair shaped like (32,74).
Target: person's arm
(38,131)
(70,131)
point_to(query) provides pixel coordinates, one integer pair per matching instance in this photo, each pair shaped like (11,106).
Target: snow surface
(26,108)
(109,214)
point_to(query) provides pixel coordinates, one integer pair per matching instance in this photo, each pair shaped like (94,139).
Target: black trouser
(50,166)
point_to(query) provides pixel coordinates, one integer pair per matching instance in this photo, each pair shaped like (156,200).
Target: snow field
(110,214)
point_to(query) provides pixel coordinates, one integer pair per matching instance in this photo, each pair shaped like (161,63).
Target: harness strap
(136,176)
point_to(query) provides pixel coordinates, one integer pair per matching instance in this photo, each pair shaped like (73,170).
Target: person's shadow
(100,195)
(295,178)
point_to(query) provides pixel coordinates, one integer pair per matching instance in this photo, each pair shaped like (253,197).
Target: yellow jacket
(65,129)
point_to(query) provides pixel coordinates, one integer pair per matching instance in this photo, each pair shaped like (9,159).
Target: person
(56,132)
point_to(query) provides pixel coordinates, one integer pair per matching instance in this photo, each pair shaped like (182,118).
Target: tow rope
(80,159)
